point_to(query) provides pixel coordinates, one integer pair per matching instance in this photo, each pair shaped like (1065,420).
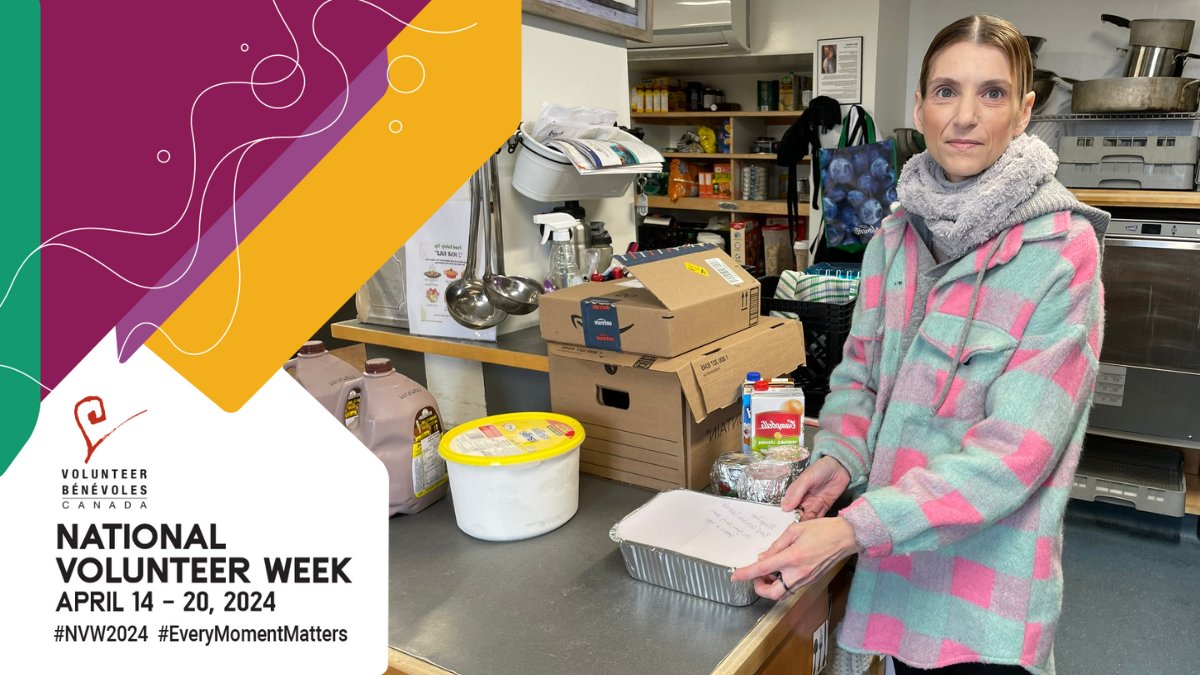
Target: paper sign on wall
(434,258)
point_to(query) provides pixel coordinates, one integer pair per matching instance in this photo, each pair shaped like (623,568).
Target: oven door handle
(1172,244)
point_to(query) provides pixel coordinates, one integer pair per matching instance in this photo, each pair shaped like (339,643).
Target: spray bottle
(564,268)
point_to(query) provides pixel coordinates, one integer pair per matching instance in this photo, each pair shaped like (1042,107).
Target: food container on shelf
(513,476)
(547,175)
(692,541)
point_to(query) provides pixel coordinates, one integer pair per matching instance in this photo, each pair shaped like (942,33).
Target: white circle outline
(245,47)
(161,159)
(395,126)
(296,68)
(389,74)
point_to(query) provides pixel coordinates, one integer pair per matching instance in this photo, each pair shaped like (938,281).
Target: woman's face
(967,112)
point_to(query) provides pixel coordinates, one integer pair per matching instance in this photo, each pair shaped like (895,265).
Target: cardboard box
(661,423)
(722,181)
(745,243)
(681,299)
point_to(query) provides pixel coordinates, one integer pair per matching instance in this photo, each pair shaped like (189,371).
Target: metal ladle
(512,293)
(465,298)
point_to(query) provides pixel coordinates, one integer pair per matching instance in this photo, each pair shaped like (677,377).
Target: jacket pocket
(864,345)
(981,358)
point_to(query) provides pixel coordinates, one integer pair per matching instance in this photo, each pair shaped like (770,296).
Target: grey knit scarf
(965,214)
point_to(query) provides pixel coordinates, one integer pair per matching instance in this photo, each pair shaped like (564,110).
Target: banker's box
(662,422)
(680,299)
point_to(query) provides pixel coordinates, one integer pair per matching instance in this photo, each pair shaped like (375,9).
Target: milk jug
(322,374)
(399,421)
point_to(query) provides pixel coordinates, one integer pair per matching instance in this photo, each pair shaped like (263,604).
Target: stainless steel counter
(558,603)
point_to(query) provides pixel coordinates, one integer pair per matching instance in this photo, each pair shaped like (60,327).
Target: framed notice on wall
(839,69)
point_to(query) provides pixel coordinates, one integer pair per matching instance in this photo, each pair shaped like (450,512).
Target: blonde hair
(985,30)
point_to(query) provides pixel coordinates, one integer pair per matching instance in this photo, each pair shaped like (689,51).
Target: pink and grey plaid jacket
(967,443)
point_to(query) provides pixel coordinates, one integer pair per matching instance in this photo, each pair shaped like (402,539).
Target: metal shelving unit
(1078,117)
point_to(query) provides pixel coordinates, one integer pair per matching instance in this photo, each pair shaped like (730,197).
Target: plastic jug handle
(289,366)
(344,397)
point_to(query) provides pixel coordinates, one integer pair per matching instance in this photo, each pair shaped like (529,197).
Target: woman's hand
(799,556)
(817,488)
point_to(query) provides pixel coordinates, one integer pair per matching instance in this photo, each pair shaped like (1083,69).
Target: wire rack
(1075,117)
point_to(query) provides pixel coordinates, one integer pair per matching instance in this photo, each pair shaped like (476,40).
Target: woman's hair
(985,30)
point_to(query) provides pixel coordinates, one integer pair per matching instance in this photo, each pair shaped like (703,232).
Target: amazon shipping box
(678,299)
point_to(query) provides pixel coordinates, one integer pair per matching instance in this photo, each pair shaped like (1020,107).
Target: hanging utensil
(512,293)
(466,298)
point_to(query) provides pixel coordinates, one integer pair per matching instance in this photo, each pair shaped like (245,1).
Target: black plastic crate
(826,327)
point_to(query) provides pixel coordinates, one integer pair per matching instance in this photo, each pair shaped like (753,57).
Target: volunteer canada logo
(93,487)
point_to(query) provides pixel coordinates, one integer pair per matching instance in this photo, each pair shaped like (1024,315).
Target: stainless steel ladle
(512,293)
(466,299)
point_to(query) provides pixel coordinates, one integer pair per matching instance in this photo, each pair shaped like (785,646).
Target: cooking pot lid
(514,438)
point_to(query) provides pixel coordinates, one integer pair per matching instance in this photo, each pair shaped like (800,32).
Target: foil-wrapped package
(765,481)
(797,456)
(728,470)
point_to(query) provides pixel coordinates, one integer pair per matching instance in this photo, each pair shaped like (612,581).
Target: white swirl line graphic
(26,375)
(52,242)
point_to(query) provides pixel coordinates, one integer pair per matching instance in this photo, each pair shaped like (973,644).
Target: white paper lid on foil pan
(723,531)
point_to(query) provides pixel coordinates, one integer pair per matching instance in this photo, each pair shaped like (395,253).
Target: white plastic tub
(513,476)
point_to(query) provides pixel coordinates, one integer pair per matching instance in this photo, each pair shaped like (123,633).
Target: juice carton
(747,424)
(777,415)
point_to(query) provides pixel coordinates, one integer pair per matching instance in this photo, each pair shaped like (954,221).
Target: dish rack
(1139,475)
(1128,161)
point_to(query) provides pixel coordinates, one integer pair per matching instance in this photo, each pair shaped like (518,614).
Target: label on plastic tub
(511,439)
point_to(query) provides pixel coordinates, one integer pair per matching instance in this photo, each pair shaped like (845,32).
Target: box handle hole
(612,398)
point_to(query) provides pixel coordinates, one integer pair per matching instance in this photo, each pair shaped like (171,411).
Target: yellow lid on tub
(514,438)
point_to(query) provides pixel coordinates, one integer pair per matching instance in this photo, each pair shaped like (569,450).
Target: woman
(962,399)
(829,59)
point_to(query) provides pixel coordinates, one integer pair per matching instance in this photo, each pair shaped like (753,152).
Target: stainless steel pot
(1169,33)
(1043,87)
(1035,43)
(1147,61)
(1135,94)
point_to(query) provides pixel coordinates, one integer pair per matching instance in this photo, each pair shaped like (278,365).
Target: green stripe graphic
(20,233)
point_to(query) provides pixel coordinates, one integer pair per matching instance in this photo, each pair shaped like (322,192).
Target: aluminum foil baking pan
(681,572)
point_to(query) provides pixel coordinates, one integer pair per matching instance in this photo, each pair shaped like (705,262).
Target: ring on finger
(779,578)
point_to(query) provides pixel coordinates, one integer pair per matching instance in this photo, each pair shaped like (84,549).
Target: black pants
(961,669)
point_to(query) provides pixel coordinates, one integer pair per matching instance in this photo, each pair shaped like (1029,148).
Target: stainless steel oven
(1149,383)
